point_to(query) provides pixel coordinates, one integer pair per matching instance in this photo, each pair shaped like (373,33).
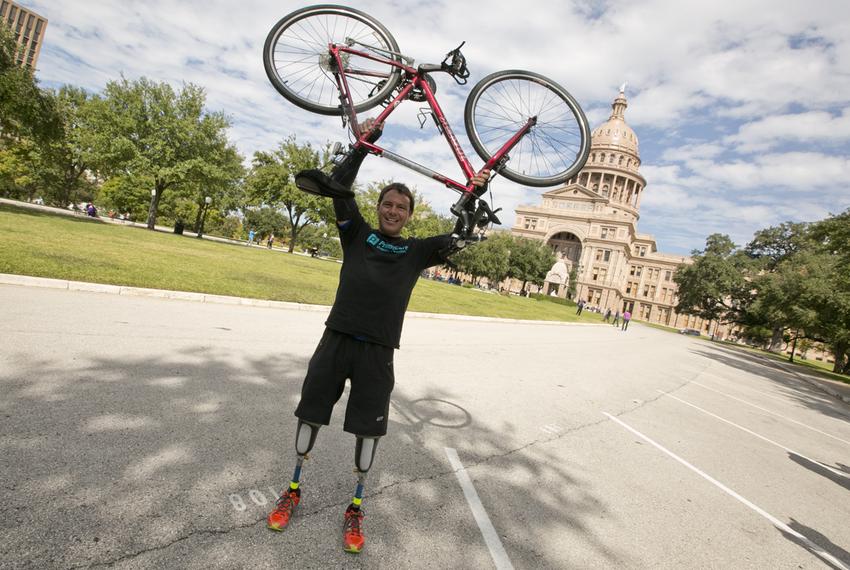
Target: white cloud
(811,127)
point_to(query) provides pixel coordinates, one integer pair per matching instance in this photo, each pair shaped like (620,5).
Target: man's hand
(481,178)
(370,124)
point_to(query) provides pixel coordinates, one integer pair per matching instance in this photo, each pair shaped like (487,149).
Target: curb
(28,281)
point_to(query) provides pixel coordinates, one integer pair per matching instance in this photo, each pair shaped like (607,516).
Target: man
(627,316)
(380,269)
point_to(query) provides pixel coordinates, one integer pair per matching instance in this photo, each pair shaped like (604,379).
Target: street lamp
(207,202)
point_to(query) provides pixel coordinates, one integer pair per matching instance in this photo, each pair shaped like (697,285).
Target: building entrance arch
(568,245)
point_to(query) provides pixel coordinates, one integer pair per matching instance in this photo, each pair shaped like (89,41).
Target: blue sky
(742,108)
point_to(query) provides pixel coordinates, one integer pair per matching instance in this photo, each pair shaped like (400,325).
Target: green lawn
(43,244)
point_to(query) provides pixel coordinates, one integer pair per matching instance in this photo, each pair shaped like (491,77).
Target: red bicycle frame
(413,79)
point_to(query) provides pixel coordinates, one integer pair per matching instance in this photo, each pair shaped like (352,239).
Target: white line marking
(771,413)
(491,537)
(770,441)
(773,520)
(551,428)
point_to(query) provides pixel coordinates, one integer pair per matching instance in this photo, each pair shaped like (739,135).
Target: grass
(43,244)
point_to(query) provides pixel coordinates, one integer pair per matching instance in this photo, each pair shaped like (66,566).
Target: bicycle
(335,60)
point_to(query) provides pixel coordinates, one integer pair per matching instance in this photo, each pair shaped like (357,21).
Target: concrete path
(142,432)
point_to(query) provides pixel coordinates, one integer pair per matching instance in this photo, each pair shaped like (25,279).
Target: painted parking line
(811,546)
(765,410)
(761,437)
(491,537)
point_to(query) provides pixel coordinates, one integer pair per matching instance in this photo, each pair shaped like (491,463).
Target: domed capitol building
(591,224)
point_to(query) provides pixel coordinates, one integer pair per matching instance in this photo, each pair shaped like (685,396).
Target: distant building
(591,224)
(28,29)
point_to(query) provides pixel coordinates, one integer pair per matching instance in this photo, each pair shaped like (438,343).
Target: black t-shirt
(377,277)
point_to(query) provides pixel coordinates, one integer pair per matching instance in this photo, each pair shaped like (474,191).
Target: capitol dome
(614,134)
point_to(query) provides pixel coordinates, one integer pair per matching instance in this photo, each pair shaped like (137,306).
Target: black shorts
(370,368)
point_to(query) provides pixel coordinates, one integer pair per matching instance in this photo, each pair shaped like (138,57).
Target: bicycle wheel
(299,66)
(555,148)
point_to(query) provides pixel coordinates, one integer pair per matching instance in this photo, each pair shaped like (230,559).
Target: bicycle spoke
(552,147)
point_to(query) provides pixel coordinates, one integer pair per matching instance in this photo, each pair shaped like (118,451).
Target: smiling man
(379,270)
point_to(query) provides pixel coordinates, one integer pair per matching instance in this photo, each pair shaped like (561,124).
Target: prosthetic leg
(353,539)
(364,455)
(305,437)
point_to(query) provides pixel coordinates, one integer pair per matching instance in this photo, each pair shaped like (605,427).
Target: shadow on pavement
(123,461)
(792,386)
(822,470)
(821,541)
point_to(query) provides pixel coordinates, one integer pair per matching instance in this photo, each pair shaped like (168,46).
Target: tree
(830,292)
(714,286)
(530,261)
(490,259)
(271,183)
(148,130)
(26,111)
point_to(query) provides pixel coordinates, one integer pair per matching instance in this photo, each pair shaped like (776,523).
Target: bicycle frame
(413,79)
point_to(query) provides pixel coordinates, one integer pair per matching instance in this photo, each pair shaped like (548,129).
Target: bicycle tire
(295,57)
(556,147)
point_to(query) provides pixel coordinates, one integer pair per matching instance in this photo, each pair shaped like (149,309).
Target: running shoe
(353,539)
(279,517)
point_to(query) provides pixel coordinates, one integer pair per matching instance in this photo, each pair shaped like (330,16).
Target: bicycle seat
(316,182)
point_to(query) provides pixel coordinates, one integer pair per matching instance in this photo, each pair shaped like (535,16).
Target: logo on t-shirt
(385,247)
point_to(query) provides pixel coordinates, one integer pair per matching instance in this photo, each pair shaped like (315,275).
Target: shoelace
(284,503)
(352,523)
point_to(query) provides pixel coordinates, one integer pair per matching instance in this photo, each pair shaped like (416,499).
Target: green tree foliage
(149,130)
(715,285)
(530,261)
(26,111)
(490,259)
(265,221)
(830,285)
(271,183)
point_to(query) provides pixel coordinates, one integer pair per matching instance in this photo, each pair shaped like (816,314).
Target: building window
(646,311)
(620,162)
(636,270)
(595,275)
(531,223)
(642,251)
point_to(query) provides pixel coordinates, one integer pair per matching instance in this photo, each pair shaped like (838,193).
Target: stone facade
(591,224)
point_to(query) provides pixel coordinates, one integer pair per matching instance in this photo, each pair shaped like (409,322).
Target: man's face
(393,213)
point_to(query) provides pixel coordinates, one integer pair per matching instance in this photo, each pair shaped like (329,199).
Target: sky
(741,107)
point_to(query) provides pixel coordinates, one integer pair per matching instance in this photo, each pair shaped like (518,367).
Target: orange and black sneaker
(279,517)
(353,539)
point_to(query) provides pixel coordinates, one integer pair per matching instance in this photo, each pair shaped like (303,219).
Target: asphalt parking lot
(141,432)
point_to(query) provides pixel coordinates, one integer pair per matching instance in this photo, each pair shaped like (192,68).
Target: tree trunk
(793,346)
(839,351)
(152,210)
(776,340)
(198,216)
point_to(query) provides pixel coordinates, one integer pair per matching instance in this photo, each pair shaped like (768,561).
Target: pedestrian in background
(627,316)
